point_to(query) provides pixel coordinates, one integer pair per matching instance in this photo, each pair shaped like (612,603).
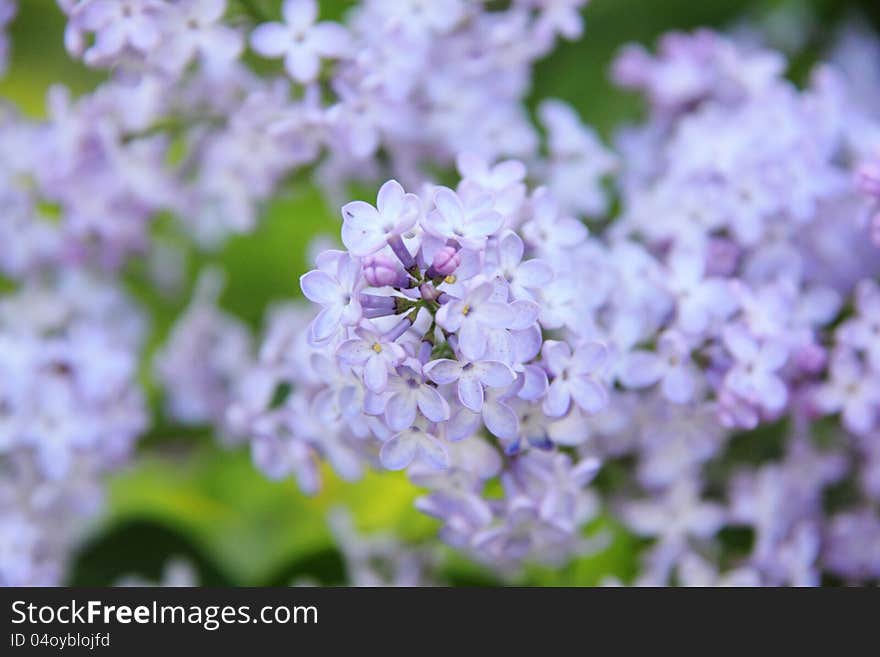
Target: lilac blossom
(366,229)
(575,377)
(375,353)
(671,365)
(471,378)
(300,40)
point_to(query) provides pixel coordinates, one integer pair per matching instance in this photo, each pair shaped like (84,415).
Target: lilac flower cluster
(185,126)
(70,409)
(480,334)
(744,201)
(429,332)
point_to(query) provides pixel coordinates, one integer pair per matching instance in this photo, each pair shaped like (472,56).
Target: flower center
(377,347)
(466,310)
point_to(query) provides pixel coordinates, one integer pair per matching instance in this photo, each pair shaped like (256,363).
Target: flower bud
(379,271)
(446,261)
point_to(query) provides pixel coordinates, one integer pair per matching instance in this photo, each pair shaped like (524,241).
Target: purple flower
(753,376)
(196,30)
(471,377)
(299,40)
(524,278)
(469,225)
(120,24)
(334,286)
(407,394)
(376,354)
(473,316)
(574,377)
(671,365)
(699,299)
(366,229)
(853,391)
(411,444)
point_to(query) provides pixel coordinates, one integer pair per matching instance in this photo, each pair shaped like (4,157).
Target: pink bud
(446,261)
(379,270)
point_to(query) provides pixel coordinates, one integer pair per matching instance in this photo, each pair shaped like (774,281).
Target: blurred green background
(186,496)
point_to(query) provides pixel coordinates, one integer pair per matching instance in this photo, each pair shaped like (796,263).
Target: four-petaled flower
(301,41)
(412,444)
(376,354)
(334,285)
(575,377)
(367,229)
(473,316)
(469,225)
(471,377)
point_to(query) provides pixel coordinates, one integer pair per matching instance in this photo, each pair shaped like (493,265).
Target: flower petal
(589,394)
(270,39)
(432,404)
(376,374)
(500,420)
(320,288)
(399,452)
(299,14)
(443,370)
(470,393)
(400,411)
(558,399)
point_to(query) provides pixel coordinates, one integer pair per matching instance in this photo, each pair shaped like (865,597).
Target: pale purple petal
(327,322)
(641,369)
(355,352)
(399,452)
(376,374)
(302,64)
(500,420)
(589,357)
(558,399)
(510,249)
(472,339)
(470,393)
(494,374)
(534,273)
(330,39)
(433,452)
(432,404)
(443,370)
(320,287)
(679,385)
(590,395)
(556,355)
(270,39)
(299,14)
(400,411)
(484,223)
(390,199)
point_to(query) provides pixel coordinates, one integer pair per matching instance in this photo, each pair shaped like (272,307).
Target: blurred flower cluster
(678,332)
